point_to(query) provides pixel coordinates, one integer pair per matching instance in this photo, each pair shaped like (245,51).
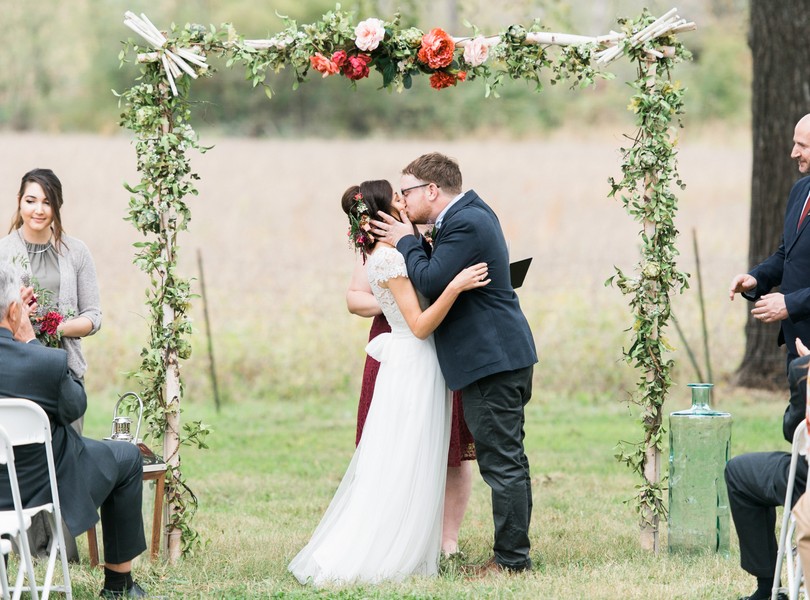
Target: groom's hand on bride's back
(387,229)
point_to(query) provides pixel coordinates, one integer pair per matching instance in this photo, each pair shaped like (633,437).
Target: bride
(385,520)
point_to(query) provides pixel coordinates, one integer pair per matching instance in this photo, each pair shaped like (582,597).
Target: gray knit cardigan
(78,288)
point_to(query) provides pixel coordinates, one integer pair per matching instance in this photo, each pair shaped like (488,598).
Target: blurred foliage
(61,63)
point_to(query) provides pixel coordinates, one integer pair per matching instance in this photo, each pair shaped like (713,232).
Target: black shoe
(135,591)
(779,596)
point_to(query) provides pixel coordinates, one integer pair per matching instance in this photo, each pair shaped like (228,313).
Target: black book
(518,270)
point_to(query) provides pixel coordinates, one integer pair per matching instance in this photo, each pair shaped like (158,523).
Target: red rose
(339,58)
(440,80)
(357,67)
(462,75)
(437,49)
(50,322)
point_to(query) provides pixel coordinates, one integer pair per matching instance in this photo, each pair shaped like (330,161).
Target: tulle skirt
(385,520)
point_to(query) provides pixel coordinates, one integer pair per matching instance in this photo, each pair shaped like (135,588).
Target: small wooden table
(151,472)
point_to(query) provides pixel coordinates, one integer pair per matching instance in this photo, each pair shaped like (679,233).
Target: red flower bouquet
(46,327)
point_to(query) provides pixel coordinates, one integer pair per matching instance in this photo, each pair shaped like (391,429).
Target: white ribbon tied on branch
(175,61)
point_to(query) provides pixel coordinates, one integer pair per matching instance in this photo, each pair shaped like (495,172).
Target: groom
(484,345)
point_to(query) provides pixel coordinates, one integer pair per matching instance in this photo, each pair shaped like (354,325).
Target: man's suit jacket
(796,410)
(789,269)
(485,331)
(37,373)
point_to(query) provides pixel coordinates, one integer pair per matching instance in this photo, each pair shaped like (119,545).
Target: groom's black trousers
(493,409)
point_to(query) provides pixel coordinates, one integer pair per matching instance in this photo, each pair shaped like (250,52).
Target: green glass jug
(699,441)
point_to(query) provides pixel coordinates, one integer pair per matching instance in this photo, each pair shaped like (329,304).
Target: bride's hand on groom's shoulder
(471,278)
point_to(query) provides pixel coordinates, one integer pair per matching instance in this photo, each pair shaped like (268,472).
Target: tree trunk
(780,97)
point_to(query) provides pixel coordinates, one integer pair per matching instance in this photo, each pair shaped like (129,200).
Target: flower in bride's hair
(476,51)
(437,49)
(368,34)
(360,236)
(323,65)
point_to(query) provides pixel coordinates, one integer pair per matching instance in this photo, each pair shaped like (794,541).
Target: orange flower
(437,49)
(462,75)
(323,65)
(440,80)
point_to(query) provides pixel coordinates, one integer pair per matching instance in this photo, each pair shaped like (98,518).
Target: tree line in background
(61,63)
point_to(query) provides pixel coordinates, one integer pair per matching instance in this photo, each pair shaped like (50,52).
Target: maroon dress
(462,446)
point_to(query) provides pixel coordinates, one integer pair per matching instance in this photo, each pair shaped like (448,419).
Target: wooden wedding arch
(157,111)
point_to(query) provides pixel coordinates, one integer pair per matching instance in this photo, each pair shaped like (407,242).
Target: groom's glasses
(404,192)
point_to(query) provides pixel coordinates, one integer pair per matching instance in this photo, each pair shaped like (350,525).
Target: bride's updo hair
(361,203)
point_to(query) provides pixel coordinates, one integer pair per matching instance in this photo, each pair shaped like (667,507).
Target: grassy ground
(274,464)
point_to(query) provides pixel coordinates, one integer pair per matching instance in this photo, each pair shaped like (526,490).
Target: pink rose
(323,65)
(437,49)
(339,58)
(476,51)
(357,67)
(368,34)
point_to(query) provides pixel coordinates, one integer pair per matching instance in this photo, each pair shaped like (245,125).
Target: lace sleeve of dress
(391,264)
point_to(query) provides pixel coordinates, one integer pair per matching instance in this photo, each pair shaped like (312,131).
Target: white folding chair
(786,544)
(15,524)
(26,423)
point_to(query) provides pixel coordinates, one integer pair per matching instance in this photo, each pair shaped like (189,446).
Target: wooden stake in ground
(213,369)
(650,521)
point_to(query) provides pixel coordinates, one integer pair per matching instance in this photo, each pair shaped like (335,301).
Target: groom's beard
(418,217)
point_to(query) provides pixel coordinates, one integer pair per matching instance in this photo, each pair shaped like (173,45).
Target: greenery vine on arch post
(157,110)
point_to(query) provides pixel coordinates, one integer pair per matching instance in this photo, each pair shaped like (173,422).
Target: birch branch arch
(156,109)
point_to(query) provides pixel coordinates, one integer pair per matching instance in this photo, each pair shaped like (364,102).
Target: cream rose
(476,51)
(368,34)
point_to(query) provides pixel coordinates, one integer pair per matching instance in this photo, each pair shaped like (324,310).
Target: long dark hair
(53,192)
(361,203)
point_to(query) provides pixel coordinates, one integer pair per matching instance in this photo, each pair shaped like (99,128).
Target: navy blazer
(789,269)
(37,373)
(485,331)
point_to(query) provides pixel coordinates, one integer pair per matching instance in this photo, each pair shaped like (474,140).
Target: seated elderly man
(757,483)
(90,474)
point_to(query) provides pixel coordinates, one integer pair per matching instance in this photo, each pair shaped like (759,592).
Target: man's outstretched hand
(741,283)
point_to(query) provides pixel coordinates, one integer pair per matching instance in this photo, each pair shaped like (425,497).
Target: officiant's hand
(387,229)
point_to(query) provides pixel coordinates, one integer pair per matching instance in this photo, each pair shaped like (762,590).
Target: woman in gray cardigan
(62,265)
(59,263)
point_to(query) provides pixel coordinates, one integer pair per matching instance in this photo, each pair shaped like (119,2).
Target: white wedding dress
(385,520)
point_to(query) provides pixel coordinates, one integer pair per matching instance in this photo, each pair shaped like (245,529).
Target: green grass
(274,464)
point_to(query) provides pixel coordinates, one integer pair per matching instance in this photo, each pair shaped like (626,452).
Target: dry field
(272,235)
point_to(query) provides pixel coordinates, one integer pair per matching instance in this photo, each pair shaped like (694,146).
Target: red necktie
(805,211)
